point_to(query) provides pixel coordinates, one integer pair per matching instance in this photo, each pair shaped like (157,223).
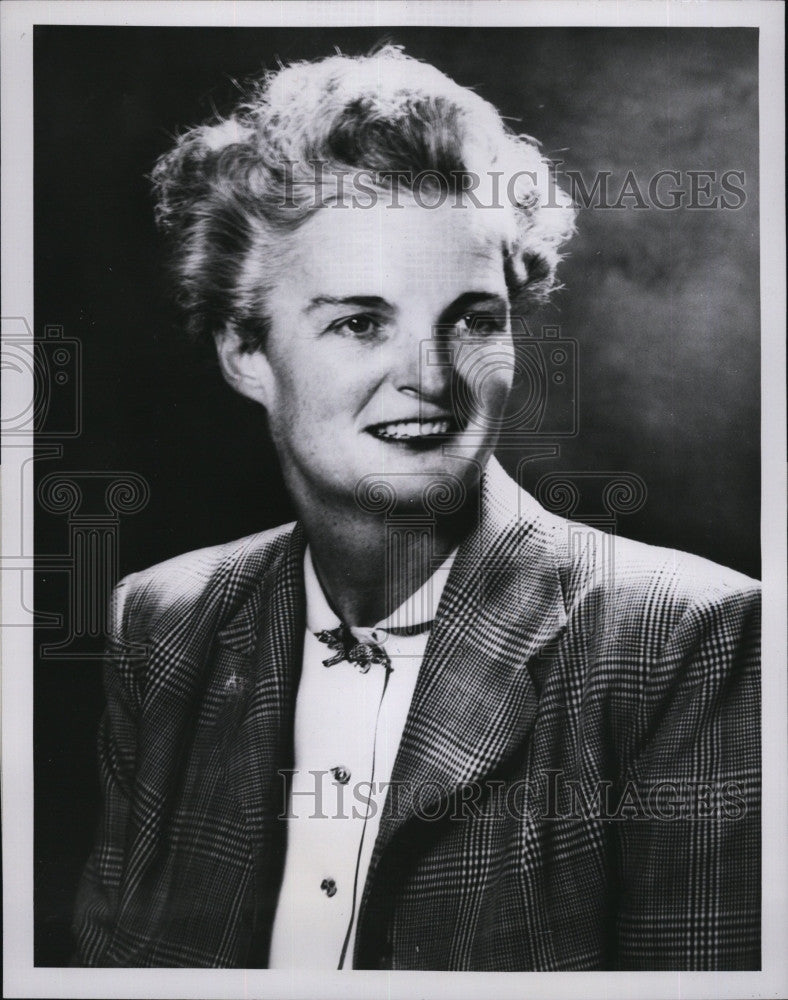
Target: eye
(480,324)
(361,325)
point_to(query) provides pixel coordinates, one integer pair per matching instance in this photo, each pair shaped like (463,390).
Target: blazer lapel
(265,638)
(475,699)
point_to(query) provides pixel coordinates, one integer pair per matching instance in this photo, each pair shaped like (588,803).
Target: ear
(248,372)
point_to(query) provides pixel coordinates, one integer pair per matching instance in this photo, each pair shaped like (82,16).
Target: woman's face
(389,351)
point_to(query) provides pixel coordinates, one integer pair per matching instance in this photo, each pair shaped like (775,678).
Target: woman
(429,725)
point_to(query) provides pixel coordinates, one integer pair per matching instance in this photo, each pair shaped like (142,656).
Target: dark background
(663,304)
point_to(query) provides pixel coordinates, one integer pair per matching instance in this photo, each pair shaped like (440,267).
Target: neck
(352,549)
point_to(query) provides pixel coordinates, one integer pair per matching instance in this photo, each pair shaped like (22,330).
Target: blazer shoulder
(170,590)
(687,576)
(635,577)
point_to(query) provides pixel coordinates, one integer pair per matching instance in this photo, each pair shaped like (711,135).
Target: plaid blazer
(583,743)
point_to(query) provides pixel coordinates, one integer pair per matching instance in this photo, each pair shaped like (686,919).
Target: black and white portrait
(395,492)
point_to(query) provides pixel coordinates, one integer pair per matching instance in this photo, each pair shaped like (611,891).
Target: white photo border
(21,978)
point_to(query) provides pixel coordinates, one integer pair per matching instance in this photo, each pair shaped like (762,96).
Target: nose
(423,362)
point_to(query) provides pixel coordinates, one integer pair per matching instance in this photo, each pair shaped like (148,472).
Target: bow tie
(346,646)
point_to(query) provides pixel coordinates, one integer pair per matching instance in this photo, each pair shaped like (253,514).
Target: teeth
(411,429)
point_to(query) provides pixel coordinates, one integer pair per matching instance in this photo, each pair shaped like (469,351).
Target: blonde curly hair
(230,191)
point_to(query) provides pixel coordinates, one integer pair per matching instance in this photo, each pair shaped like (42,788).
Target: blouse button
(329,887)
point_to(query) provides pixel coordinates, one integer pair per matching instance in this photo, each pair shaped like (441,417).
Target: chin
(429,483)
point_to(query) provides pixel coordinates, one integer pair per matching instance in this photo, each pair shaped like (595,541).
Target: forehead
(383,250)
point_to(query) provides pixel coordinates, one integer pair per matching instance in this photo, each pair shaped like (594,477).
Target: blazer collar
(477,693)
(510,553)
(262,644)
(279,592)
(502,604)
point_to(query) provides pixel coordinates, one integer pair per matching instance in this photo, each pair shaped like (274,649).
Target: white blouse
(348,726)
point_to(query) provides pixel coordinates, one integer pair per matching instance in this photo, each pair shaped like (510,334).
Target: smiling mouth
(415,433)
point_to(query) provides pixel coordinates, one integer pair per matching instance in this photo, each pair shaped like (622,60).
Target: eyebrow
(469,299)
(364,301)
(460,304)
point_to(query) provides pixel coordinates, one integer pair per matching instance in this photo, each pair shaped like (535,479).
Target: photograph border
(21,978)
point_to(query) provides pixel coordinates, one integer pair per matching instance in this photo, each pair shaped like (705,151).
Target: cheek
(487,376)
(311,394)
(498,390)
(296,375)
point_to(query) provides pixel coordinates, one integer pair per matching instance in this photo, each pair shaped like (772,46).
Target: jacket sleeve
(689,849)
(97,898)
